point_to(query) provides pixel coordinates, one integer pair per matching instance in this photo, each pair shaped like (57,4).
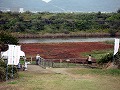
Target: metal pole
(7,73)
(13,64)
(12,68)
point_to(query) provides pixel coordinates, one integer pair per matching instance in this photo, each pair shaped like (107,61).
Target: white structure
(116,46)
(21,10)
(13,54)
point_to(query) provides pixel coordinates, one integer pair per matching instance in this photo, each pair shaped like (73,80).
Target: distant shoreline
(62,35)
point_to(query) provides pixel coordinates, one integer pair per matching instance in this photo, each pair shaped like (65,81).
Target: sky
(61,5)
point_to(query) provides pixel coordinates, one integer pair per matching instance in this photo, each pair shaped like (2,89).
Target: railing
(57,63)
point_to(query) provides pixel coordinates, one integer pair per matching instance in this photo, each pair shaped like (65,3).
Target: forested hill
(46,22)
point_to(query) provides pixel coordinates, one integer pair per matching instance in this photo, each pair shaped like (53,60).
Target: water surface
(61,40)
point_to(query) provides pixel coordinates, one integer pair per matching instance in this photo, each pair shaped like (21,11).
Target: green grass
(22,62)
(78,79)
(110,72)
(13,82)
(109,42)
(98,54)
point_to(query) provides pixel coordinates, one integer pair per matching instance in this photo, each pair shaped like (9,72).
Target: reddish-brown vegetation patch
(62,50)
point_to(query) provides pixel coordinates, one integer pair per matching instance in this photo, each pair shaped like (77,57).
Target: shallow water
(60,40)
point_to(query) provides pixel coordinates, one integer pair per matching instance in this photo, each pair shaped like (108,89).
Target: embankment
(62,35)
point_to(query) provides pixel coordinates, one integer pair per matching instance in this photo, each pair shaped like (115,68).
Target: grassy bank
(98,54)
(100,72)
(60,35)
(77,79)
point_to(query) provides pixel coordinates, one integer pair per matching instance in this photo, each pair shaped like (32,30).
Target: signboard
(13,55)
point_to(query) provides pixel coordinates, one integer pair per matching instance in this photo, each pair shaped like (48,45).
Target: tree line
(47,22)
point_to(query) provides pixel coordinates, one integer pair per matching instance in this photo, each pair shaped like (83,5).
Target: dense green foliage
(117,59)
(105,59)
(105,56)
(59,22)
(5,39)
(4,71)
(110,58)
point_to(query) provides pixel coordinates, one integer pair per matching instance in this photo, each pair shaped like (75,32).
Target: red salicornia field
(62,50)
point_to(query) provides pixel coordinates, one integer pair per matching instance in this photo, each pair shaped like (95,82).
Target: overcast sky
(62,5)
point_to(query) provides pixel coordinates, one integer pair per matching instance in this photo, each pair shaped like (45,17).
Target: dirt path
(37,69)
(64,71)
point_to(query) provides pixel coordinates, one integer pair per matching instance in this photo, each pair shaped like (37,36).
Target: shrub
(117,59)
(2,64)
(3,70)
(2,74)
(106,58)
(109,57)
(12,72)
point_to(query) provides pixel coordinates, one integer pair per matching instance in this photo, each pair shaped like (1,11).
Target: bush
(3,70)
(2,64)
(6,38)
(117,59)
(109,57)
(2,74)
(12,72)
(106,59)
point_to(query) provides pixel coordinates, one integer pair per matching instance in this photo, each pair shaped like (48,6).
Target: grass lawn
(98,54)
(76,79)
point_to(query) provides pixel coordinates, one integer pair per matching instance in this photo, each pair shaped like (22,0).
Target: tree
(118,11)
(6,38)
(114,23)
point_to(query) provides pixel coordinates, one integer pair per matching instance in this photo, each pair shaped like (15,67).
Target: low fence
(63,63)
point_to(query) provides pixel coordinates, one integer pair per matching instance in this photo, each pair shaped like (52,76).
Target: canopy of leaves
(58,22)
(6,38)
